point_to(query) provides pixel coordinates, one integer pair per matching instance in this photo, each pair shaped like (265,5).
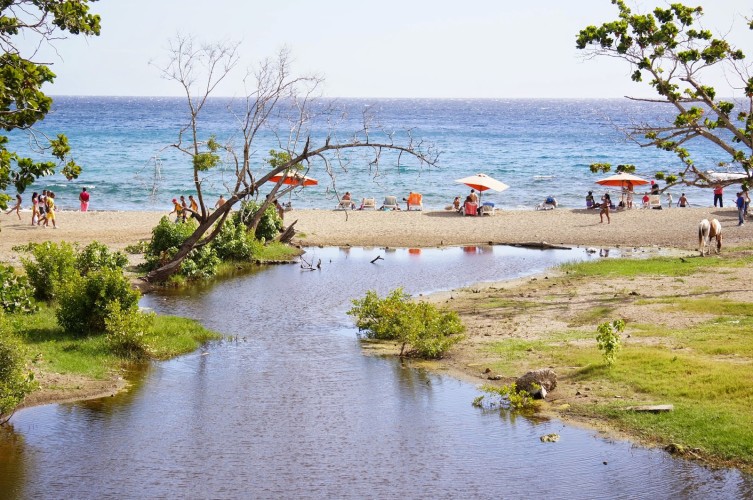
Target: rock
(545,379)
(550,438)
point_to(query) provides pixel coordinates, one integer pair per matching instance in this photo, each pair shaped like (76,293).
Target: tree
(278,102)
(22,102)
(678,57)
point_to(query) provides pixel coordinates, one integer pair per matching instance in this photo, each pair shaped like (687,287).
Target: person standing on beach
(740,202)
(34,208)
(17,207)
(184,208)
(473,196)
(83,197)
(746,197)
(42,207)
(669,200)
(683,201)
(718,195)
(220,202)
(605,202)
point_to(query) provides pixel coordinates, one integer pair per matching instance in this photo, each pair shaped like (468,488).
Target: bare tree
(679,57)
(276,101)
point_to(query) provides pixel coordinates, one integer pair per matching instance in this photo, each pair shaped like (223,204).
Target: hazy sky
(390,48)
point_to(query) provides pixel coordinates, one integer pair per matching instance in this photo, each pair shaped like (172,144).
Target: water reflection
(293,409)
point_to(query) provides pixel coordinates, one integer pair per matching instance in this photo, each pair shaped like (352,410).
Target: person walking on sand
(17,207)
(184,208)
(83,197)
(605,202)
(177,210)
(194,207)
(718,190)
(740,202)
(50,213)
(669,199)
(42,207)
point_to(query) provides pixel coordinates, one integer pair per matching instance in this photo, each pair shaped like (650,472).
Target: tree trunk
(287,235)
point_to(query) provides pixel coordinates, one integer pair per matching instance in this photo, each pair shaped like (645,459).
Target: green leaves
(608,339)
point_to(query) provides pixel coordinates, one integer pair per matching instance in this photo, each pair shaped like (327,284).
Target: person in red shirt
(718,196)
(83,197)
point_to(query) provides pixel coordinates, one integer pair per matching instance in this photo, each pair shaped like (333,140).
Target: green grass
(274,251)
(704,371)
(53,350)
(657,266)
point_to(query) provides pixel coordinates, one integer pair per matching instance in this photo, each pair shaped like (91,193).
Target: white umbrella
(482,182)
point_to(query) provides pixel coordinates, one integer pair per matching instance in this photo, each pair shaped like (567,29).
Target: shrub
(51,265)
(167,237)
(84,301)
(126,331)
(16,294)
(15,383)
(428,331)
(270,224)
(96,256)
(509,397)
(234,242)
(608,339)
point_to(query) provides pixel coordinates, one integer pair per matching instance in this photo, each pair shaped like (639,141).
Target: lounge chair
(390,203)
(368,203)
(487,208)
(654,201)
(470,208)
(346,205)
(545,206)
(415,202)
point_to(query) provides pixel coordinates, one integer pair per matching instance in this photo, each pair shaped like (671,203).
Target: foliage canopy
(670,50)
(22,101)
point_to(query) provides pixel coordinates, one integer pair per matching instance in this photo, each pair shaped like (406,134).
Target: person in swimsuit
(17,207)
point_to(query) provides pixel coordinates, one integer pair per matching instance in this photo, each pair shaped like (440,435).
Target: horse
(708,229)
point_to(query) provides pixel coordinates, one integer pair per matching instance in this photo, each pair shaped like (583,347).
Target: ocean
(539,147)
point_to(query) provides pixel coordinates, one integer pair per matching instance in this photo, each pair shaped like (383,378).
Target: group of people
(183,208)
(42,208)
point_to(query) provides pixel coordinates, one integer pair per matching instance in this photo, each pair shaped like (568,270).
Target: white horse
(708,229)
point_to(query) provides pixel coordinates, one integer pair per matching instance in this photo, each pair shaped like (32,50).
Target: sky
(390,48)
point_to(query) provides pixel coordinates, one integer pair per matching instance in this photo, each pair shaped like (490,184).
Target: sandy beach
(676,227)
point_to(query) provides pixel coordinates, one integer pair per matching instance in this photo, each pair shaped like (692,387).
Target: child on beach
(50,212)
(605,202)
(177,210)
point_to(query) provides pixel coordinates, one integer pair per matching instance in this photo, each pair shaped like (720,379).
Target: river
(287,406)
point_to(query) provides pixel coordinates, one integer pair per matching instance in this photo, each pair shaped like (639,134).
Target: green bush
(167,237)
(96,256)
(234,242)
(126,330)
(270,224)
(84,300)
(15,382)
(608,339)
(429,331)
(16,294)
(51,265)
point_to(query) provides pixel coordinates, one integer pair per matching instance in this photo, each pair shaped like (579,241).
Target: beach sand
(676,227)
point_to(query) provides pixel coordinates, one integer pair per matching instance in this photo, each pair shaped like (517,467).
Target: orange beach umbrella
(622,180)
(294,179)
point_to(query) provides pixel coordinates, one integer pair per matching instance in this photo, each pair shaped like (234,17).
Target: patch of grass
(172,336)
(592,316)
(273,251)
(662,266)
(710,305)
(53,350)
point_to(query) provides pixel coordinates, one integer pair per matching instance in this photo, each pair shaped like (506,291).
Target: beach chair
(415,202)
(390,203)
(368,203)
(470,208)
(345,205)
(487,208)
(545,206)
(654,201)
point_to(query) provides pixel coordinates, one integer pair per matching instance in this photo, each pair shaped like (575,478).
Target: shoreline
(674,228)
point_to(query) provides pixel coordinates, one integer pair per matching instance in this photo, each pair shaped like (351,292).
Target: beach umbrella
(294,179)
(482,182)
(622,180)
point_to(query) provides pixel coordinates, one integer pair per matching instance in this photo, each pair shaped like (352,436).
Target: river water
(291,408)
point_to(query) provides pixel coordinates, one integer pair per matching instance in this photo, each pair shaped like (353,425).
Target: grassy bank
(65,365)
(687,343)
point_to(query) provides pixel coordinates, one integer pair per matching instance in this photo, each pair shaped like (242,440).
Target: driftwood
(651,408)
(378,257)
(309,266)
(287,235)
(536,244)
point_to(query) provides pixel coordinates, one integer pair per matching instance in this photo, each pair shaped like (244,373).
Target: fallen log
(543,245)
(287,235)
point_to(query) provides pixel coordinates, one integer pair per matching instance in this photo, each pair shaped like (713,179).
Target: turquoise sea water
(538,147)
